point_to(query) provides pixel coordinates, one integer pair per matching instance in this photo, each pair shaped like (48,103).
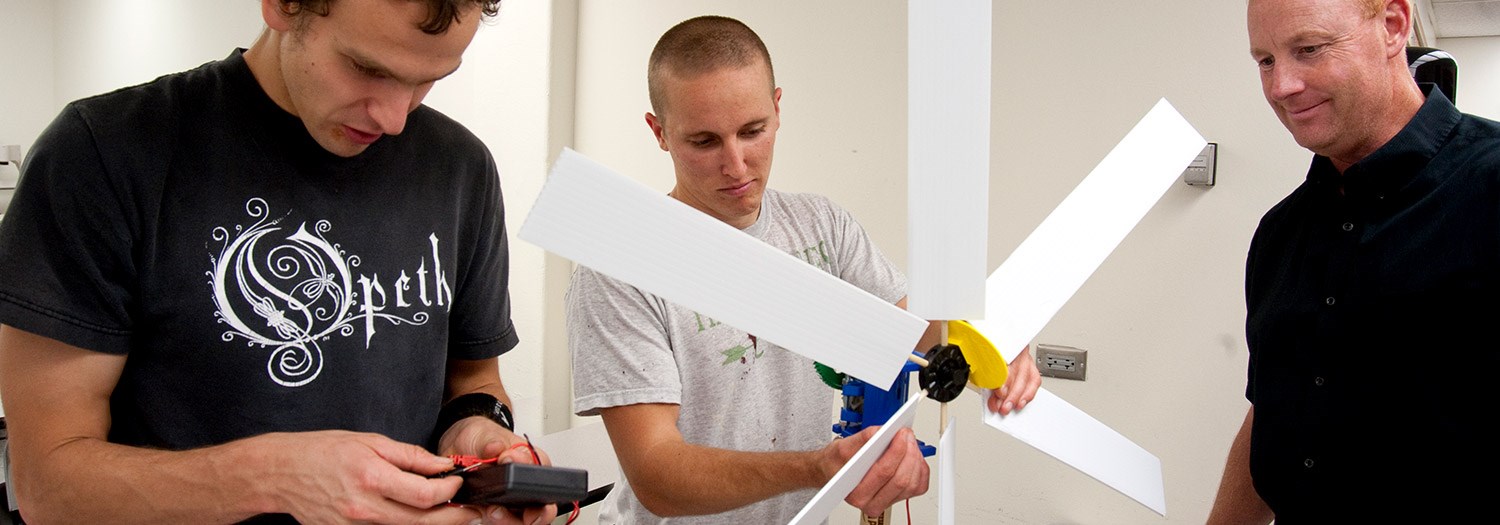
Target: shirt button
(1307,462)
(1348,226)
(1318,381)
(1329,301)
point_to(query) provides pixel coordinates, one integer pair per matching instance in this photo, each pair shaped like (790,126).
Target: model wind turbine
(636,234)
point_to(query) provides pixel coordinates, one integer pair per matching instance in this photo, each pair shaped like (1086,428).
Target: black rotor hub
(946,373)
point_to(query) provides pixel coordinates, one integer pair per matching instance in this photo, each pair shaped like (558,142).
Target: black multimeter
(522,485)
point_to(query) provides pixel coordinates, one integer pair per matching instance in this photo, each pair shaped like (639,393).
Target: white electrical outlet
(10,153)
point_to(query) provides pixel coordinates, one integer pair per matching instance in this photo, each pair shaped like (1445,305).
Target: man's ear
(1398,27)
(776,100)
(655,123)
(276,18)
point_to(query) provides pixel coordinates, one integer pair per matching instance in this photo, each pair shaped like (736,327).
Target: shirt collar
(757,229)
(1402,158)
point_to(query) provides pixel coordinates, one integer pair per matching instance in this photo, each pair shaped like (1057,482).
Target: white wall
(103,45)
(1478,73)
(25,78)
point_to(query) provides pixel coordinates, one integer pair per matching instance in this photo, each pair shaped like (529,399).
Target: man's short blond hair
(1370,8)
(702,45)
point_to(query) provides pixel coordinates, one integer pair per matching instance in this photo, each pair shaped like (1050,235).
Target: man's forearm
(1237,501)
(685,479)
(467,377)
(57,399)
(89,480)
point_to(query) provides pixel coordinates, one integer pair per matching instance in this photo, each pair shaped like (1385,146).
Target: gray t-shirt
(735,392)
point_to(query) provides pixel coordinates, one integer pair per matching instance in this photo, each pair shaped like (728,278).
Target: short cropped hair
(440,13)
(701,45)
(1369,8)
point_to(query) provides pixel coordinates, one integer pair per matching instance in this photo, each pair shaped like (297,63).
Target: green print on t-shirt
(816,255)
(733,353)
(699,318)
(737,352)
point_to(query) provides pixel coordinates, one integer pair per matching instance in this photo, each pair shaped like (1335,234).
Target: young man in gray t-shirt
(707,420)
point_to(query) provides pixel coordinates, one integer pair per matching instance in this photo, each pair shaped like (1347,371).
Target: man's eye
(368,71)
(700,142)
(1308,50)
(752,132)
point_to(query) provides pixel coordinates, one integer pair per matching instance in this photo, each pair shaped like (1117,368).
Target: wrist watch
(467,405)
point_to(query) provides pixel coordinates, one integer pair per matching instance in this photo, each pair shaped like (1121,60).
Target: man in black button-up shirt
(1368,285)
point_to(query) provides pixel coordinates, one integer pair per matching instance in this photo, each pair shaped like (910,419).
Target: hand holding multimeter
(516,485)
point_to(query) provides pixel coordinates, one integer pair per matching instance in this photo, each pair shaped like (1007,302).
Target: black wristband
(467,405)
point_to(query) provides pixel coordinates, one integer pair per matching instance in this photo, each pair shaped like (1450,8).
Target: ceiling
(1459,18)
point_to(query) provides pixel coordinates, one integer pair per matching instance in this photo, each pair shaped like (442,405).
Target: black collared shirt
(1374,330)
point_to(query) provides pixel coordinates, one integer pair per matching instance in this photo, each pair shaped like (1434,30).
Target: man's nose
(733,161)
(1282,81)
(390,108)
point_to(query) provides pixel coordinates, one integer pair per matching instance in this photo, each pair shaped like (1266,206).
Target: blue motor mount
(866,405)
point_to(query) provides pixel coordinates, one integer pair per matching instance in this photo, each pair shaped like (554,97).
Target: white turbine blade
(617,226)
(947,485)
(854,470)
(948,157)
(1053,262)
(1064,432)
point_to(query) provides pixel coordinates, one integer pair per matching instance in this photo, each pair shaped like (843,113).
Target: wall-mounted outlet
(1204,168)
(1063,362)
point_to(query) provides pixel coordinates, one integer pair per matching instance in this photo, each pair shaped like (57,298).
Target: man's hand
(347,477)
(1020,385)
(901,473)
(480,437)
(57,400)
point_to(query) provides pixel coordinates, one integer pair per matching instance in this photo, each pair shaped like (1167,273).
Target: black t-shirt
(256,282)
(1371,298)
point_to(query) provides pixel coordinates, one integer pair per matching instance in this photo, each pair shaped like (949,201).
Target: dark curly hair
(440,13)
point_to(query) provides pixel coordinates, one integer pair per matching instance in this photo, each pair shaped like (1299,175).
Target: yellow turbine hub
(987,368)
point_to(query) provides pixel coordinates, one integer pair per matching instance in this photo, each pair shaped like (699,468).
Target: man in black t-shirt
(1382,262)
(265,288)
